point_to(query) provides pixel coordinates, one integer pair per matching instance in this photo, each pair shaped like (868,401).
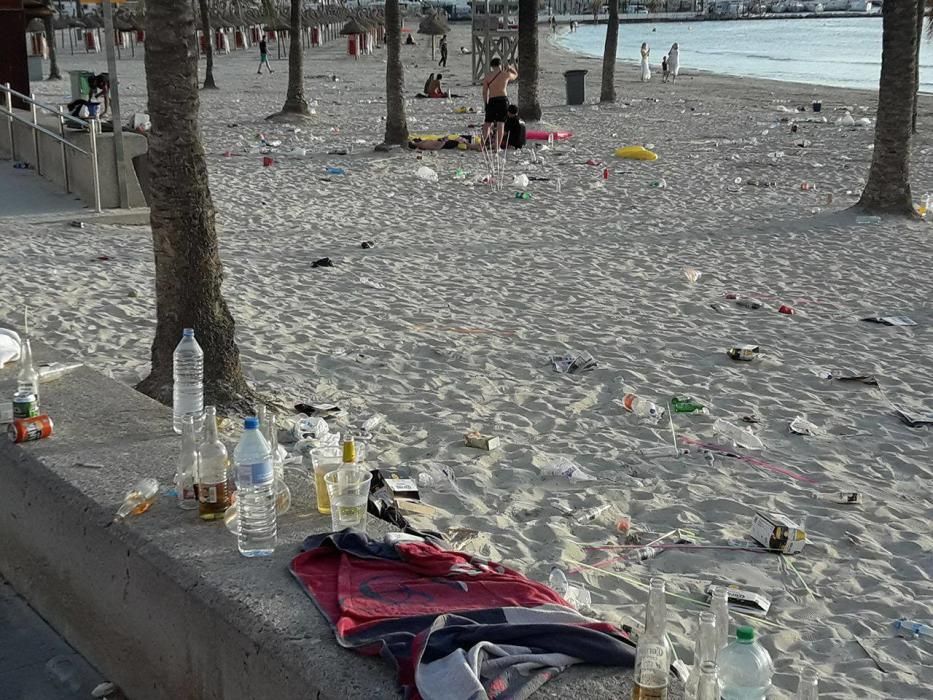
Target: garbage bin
(576,86)
(80,88)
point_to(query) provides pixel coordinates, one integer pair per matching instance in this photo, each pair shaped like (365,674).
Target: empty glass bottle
(808,687)
(707,682)
(214,476)
(186,478)
(27,379)
(705,649)
(653,655)
(719,606)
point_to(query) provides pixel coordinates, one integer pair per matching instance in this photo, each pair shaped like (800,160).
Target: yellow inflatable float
(635,153)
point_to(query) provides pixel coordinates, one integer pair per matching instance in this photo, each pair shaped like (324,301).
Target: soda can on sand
(27,429)
(744,353)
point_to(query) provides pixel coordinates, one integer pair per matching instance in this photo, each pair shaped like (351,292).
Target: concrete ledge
(48,156)
(163,604)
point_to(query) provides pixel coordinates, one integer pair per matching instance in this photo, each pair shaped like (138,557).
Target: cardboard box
(776,531)
(480,441)
(744,353)
(742,600)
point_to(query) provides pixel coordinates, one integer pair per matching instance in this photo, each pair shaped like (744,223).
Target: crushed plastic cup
(738,436)
(566,468)
(577,595)
(521,181)
(692,274)
(427,174)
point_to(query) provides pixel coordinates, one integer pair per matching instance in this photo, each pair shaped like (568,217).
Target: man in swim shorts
(496,98)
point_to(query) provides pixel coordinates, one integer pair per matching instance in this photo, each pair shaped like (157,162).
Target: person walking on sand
(673,61)
(263,56)
(645,68)
(443,61)
(496,98)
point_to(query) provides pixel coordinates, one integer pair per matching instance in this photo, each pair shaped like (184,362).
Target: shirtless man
(496,98)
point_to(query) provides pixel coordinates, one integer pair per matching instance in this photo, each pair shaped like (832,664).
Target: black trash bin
(576,86)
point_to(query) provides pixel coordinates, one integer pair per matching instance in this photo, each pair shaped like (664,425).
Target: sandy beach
(448,325)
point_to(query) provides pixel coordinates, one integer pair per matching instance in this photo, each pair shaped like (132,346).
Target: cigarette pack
(744,353)
(480,441)
(741,600)
(776,531)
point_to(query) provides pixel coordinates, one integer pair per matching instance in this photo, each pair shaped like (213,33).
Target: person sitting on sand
(464,142)
(428,83)
(409,41)
(435,89)
(514,129)
(465,51)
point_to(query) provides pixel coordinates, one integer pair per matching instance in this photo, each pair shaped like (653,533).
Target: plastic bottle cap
(745,634)
(251,423)
(188,332)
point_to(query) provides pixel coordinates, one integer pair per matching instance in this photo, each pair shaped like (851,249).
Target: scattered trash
(744,353)
(891,320)
(845,120)
(692,274)
(591,514)
(366,245)
(323,262)
(574,363)
(577,596)
(802,143)
(660,183)
(911,629)
(914,420)
(787,310)
(641,407)
(807,186)
(21,165)
(325,410)
(29,429)
(523,195)
(427,174)
(687,404)
(267,161)
(862,220)
(743,601)
(439,479)
(567,468)
(751,418)
(102,690)
(139,499)
(739,437)
(624,524)
(520,181)
(481,442)
(333,170)
(801,426)
(76,224)
(848,375)
(752,304)
(778,532)
(849,498)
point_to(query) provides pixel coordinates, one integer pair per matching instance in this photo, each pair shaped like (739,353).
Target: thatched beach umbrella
(433,25)
(354,28)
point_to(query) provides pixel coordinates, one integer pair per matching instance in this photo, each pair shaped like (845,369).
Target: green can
(25,405)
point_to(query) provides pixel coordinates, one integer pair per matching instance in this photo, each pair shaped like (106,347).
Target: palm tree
(608,91)
(528,107)
(188,271)
(396,121)
(924,9)
(888,187)
(296,106)
(203,10)
(54,73)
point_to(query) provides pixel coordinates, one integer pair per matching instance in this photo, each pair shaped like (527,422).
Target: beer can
(26,429)
(744,353)
(25,405)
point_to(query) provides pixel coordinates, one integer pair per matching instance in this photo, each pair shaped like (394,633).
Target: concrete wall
(162,603)
(80,179)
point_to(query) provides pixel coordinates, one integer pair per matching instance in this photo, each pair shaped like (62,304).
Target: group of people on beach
(670,64)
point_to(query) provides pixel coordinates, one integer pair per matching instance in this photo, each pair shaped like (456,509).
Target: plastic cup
(348,489)
(326,459)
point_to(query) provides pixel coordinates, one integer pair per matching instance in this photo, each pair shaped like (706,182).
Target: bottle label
(256,474)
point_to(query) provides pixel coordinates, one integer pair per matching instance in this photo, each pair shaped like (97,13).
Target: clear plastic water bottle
(641,407)
(745,668)
(256,531)
(188,392)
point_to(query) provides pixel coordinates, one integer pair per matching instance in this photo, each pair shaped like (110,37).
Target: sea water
(844,52)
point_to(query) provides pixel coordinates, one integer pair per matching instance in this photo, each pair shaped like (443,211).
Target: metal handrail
(92,125)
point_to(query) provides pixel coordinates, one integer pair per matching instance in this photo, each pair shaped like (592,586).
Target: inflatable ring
(635,153)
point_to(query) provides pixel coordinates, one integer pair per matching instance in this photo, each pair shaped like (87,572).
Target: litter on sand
(574,363)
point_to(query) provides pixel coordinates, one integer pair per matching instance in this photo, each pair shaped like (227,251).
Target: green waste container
(576,86)
(80,87)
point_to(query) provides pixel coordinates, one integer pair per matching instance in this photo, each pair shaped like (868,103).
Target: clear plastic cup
(348,490)
(324,460)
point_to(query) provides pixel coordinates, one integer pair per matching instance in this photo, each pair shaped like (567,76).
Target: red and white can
(27,429)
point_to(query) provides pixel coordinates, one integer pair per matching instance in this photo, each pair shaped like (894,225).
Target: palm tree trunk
(888,187)
(608,90)
(921,11)
(188,271)
(396,121)
(528,107)
(296,106)
(209,83)
(54,73)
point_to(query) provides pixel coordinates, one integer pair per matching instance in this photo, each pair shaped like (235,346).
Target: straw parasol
(353,26)
(433,25)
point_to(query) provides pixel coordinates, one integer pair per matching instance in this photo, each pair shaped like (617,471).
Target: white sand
(475,290)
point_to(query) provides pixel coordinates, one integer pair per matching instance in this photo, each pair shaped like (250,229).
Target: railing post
(61,128)
(35,131)
(9,111)
(92,126)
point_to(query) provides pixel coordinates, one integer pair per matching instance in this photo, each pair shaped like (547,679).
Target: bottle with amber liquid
(214,495)
(653,655)
(349,451)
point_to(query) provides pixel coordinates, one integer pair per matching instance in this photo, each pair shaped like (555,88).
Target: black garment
(410,41)
(514,133)
(263,47)
(497,109)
